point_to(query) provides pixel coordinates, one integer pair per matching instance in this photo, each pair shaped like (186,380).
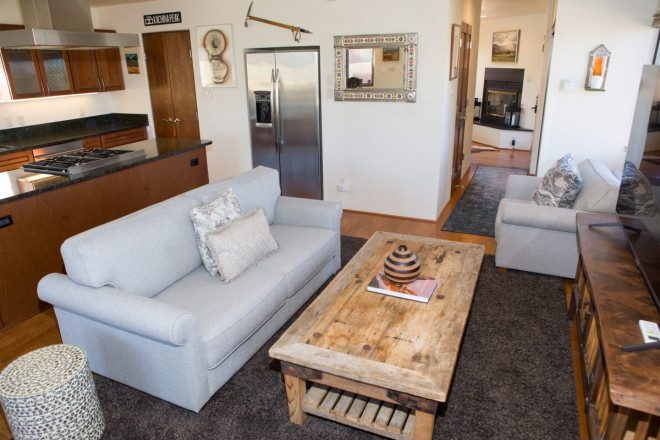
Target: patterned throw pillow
(242,244)
(212,218)
(560,184)
(635,194)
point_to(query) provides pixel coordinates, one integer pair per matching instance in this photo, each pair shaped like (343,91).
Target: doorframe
(543,89)
(461,108)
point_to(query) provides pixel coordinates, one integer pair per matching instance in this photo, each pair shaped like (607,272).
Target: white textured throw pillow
(212,218)
(560,184)
(242,244)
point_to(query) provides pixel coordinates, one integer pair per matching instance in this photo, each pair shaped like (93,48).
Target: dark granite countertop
(42,135)
(155,149)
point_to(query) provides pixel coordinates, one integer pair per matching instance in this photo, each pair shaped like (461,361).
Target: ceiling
(509,8)
(489,8)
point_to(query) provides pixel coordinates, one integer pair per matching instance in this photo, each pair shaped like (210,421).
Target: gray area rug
(476,210)
(514,379)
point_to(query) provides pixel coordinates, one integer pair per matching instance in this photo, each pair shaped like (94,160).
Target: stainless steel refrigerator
(285,116)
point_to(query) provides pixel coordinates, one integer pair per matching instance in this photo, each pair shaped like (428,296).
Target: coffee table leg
(424,425)
(295,392)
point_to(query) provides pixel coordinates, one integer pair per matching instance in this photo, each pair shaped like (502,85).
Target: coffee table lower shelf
(382,418)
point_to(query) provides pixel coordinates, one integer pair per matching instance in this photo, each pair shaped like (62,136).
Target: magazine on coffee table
(419,290)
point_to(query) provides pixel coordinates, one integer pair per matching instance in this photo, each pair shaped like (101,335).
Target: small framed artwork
(599,62)
(132,65)
(455,49)
(215,48)
(505,46)
(390,54)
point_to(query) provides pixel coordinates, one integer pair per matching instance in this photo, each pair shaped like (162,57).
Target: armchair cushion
(560,184)
(526,213)
(600,188)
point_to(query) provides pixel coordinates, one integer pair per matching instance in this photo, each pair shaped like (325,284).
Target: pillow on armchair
(560,184)
(635,194)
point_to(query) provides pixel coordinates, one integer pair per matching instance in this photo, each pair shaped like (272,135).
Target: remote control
(650,331)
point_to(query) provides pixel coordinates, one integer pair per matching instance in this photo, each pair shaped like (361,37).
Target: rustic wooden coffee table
(378,362)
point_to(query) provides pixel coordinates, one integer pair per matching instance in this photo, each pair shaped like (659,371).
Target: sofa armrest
(521,187)
(126,311)
(308,212)
(536,216)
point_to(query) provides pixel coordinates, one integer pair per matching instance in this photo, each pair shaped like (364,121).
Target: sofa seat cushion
(227,314)
(303,251)
(108,255)
(600,188)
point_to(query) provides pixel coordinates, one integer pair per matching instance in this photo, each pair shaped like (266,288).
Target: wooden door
(84,71)
(465,48)
(171,84)
(109,67)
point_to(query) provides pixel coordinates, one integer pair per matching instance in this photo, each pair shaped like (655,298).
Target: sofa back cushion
(141,253)
(600,188)
(257,188)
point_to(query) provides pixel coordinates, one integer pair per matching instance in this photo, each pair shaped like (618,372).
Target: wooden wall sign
(164,18)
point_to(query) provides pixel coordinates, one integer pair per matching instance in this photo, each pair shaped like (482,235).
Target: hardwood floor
(42,329)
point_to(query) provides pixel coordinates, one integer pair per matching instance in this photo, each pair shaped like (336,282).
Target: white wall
(396,157)
(530,56)
(595,124)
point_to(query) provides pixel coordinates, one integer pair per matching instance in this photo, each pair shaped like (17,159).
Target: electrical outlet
(20,119)
(8,121)
(208,94)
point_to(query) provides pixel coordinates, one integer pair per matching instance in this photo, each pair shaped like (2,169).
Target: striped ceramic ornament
(402,266)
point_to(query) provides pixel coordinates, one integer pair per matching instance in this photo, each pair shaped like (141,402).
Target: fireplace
(502,92)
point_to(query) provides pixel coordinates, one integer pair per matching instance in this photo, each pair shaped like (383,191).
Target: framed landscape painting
(505,46)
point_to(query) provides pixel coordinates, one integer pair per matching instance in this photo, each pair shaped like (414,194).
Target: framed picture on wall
(455,49)
(215,48)
(505,46)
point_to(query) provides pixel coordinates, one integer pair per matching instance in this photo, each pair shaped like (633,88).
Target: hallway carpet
(476,210)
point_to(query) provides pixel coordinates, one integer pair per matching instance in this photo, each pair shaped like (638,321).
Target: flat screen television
(646,252)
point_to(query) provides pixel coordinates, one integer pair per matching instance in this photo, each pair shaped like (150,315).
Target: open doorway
(511,68)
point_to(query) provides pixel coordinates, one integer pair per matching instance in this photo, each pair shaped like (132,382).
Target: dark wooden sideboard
(621,389)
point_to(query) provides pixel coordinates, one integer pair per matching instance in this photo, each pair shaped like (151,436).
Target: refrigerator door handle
(277,128)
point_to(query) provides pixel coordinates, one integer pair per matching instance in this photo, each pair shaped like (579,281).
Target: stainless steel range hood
(65,24)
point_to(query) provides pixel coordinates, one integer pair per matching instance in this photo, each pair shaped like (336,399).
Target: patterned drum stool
(50,393)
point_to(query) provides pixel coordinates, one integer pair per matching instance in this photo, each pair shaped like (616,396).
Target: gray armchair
(543,239)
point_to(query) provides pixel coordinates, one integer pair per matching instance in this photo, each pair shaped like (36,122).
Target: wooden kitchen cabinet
(36,73)
(12,161)
(123,137)
(115,139)
(96,70)
(92,142)
(110,70)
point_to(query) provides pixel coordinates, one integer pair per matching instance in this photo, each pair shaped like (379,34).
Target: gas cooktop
(80,161)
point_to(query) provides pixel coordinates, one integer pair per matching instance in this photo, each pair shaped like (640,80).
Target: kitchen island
(35,219)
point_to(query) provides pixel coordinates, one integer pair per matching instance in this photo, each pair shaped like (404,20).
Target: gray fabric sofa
(543,239)
(139,301)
